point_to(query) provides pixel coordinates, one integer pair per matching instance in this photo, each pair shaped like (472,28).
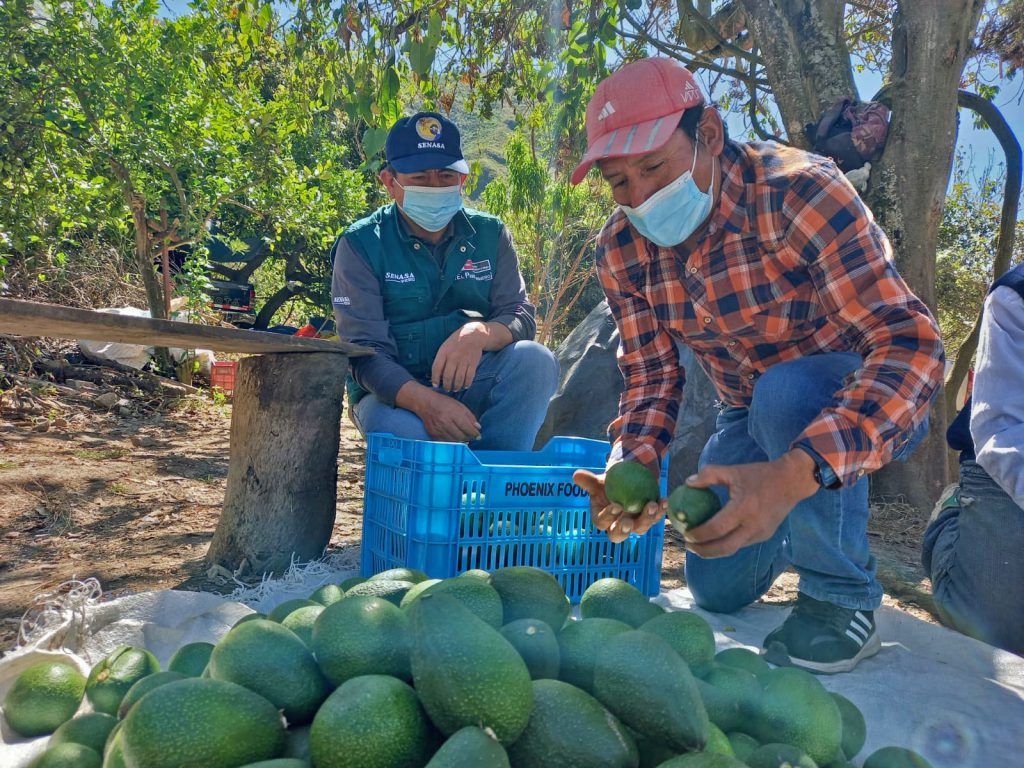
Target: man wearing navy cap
(435,289)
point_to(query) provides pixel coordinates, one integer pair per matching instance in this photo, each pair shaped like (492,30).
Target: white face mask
(674,212)
(431,207)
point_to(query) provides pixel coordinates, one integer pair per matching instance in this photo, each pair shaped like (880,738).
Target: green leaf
(421,57)
(389,87)
(434,29)
(244,22)
(373,141)
(264,17)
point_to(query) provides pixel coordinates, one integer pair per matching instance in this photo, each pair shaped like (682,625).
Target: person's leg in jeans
(509,395)
(824,537)
(972,552)
(371,415)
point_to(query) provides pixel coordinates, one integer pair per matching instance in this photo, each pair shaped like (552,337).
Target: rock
(143,441)
(80,385)
(108,399)
(588,395)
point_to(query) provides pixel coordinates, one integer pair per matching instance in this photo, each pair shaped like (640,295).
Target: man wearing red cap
(764,261)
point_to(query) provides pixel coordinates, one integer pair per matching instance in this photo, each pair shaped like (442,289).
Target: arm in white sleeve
(997,410)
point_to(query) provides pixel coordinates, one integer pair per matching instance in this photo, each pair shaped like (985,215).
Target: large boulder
(588,394)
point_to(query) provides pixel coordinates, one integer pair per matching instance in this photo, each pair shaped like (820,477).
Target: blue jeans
(825,537)
(509,397)
(972,552)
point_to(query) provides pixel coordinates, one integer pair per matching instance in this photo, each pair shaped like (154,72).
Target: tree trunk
(908,189)
(806,60)
(282,476)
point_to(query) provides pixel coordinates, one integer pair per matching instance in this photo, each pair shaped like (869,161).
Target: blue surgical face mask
(674,212)
(432,207)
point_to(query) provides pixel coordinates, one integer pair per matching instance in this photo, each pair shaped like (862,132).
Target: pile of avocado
(482,670)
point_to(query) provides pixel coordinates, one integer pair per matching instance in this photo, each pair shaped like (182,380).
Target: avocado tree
(206,117)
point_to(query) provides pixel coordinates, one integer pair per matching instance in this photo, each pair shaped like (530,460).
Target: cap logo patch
(690,92)
(606,111)
(428,128)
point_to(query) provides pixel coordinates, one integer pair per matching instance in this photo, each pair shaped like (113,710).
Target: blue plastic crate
(445,509)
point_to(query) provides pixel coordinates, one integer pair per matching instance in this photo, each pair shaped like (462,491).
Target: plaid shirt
(790,264)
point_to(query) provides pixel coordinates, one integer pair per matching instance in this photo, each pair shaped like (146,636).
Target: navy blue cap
(424,142)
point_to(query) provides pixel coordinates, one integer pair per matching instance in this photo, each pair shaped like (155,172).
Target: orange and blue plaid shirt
(790,264)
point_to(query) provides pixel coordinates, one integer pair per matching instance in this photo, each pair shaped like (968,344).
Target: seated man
(974,543)
(435,289)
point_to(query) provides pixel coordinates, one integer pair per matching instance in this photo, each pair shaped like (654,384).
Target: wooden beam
(29,318)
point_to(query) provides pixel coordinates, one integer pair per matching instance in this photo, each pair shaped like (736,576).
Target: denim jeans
(509,397)
(825,537)
(973,552)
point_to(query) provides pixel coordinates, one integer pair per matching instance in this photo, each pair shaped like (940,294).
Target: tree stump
(281,493)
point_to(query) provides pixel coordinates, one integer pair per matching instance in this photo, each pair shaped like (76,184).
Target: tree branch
(685,56)
(182,200)
(755,122)
(711,32)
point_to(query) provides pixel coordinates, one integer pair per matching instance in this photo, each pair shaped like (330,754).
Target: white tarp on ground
(958,702)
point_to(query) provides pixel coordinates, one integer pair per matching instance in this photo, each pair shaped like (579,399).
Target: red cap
(635,110)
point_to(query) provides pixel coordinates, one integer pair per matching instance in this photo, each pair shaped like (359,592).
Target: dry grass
(897,523)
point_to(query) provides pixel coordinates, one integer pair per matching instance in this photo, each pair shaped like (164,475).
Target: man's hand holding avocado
(760,496)
(624,499)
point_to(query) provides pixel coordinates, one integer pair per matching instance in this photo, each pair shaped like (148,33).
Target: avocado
(465,672)
(569,727)
(579,645)
(470,747)
(631,485)
(617,599)
(530,593)
(643,682)
(794,708)
(371,721)
(44,696)
(689,507)
(271,660)
(201,721)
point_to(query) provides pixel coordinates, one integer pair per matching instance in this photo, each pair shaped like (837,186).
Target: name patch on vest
(342,301)
(399,277)
(475,270)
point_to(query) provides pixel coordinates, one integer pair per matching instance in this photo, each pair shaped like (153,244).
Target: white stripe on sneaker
(858,640)
(864,620)
(859,629)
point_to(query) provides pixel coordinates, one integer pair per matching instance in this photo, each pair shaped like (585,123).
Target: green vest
(426,303)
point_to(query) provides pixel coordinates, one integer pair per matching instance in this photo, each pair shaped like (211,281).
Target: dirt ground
(130,494)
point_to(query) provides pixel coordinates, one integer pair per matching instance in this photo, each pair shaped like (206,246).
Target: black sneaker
(822,637)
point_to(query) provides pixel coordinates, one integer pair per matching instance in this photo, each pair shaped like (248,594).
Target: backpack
(851,132)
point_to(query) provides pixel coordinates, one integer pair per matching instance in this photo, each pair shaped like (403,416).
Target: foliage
(268,119)
(554,226)
(129,113)
(966,247)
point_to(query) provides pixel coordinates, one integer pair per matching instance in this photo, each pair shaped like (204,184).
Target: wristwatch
(824,475)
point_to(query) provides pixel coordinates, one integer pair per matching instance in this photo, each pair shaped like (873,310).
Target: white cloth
(957,701)
(997,404)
